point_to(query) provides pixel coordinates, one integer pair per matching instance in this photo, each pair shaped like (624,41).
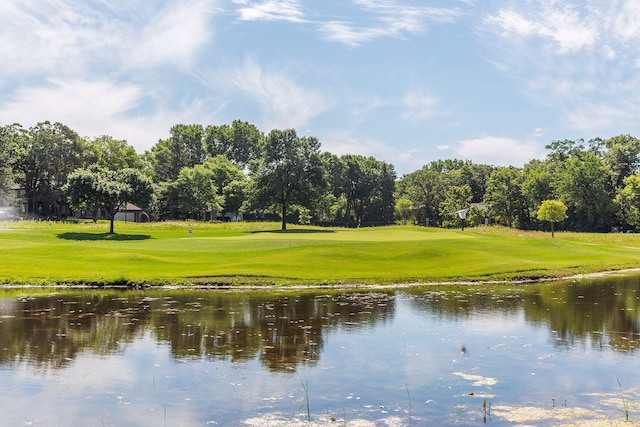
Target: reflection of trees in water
(456,302)
(601,313)
(282,330)
(51,331)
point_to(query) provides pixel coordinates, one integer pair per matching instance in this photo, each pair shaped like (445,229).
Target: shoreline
(337,286)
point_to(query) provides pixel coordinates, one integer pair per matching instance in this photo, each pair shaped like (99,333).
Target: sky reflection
(209,358)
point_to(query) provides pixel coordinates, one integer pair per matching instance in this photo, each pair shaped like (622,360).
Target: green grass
(258,253)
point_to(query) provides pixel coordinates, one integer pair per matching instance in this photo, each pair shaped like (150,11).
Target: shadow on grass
(102,236)
(297,231)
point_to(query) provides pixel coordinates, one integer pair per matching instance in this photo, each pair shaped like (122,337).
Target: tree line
(206,172)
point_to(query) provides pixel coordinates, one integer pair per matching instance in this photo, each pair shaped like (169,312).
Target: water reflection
(281,330)
(284,331)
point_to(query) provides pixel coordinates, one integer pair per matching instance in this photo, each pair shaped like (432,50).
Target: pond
(544,354)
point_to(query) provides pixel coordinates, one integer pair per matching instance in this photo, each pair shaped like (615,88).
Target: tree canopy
(552,211)
(97,187)
(290,172)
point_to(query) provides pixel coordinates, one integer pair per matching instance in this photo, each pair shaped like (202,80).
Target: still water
(543,354)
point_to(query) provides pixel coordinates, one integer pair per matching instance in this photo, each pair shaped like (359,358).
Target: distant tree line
(209,172)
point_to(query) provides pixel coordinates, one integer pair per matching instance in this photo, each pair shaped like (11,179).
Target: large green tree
(45,155)
(241,142)
(183,148)
(583,184)
(108,190)
(369,187)
(230,181)
(457,198)
(192,195)
(629,200)
(504,196)
(114,154)
(8,148)
(425,188)
(290,172)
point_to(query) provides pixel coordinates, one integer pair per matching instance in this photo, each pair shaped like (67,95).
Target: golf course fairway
(185,253)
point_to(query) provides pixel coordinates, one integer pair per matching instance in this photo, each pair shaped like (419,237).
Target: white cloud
(342,142)
(572,55)
(498,151)
(419,106)
(69,38)
(283,102)
(271,10)
(89,104)
(175,35)
(391,19)
(563,24)
(94,108)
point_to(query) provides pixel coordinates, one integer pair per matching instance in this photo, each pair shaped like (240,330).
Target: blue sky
(405,81)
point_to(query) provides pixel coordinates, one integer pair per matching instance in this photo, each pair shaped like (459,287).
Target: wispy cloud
(65,37)
(98,107)
(498,151)
(572,55)
(564,25)
(270,10)
(419,106)
(284,103)
(390,19)
(175,34)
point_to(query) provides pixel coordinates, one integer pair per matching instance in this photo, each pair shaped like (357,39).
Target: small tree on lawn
(552,211)
(97,187)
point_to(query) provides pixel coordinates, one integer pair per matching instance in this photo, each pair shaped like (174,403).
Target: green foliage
(369,187)
(552,211)
(505,197)
(457,197)
(44,156)
(629,200)
(404,209)
(291,172)
(240,143)
(97,187)
(192,195)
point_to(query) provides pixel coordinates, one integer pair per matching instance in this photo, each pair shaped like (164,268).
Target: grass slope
(245,253)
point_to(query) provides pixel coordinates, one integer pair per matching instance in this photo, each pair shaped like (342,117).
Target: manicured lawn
(256,253)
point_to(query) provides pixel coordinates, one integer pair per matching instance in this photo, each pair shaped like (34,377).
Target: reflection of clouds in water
(110,390)
(478,380)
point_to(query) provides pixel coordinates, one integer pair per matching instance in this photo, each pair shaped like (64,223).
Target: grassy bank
(250,253)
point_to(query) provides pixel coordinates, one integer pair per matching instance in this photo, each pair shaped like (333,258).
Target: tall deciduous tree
(240,143)
(192,195)
(107,189)
(230,182)
(552,211)
(369,187)
(505,198)
(9,136)
(425,188)
(290,172)
(115,154)
(457,198)
(583,185)
(183,148)
(629,200)
(45,155)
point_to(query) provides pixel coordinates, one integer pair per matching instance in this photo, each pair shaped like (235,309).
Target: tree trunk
(111,226)
(284,216)
(552,229)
